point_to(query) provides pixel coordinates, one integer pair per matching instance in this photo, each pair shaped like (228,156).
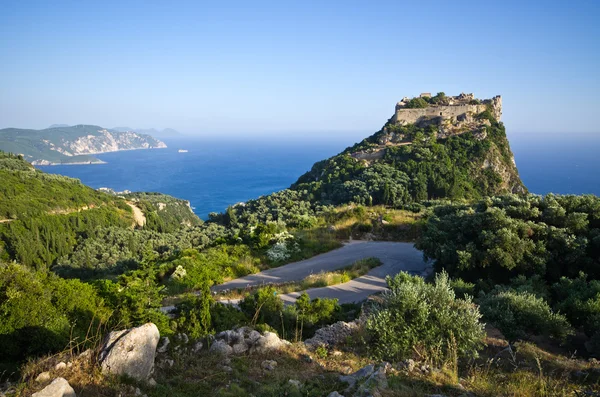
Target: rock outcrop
(58,388)
(130,352)
(332,335)
(241,340)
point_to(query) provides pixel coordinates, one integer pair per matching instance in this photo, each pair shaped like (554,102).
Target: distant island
(61,144)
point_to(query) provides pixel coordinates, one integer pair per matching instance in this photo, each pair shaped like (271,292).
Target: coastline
(91,162)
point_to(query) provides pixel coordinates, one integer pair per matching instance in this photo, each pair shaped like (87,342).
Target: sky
(294,69)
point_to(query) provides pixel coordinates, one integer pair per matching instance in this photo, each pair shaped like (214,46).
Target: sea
(214,174)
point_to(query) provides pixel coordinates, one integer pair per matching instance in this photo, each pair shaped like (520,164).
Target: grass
(318,280)
(374,223)
(524,369)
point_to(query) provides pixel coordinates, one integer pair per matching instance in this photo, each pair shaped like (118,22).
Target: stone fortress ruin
(446,115)
(452,108)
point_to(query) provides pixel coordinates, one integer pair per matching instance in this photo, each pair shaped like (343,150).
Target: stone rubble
(245,340)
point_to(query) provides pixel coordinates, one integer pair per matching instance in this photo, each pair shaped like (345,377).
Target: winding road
(394,256)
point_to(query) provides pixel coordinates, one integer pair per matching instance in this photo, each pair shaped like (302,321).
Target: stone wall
(404,116)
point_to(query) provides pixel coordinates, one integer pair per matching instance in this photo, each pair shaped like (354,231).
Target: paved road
(394,256)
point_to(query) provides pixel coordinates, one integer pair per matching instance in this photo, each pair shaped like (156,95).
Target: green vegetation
(42,313)
(427,318)
(164,214)
(525,266)
(26,192)
(416,103)
(532,262)
(457,167)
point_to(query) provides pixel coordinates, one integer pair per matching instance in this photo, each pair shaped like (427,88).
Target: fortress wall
(411,116)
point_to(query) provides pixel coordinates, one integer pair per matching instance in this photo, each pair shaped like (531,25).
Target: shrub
(263,306)
(425,317)
(194,314)
(520,314)
(41,313)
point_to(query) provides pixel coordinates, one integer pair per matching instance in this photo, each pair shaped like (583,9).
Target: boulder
(240,348)
(254,336)
(130,352)
(268,342)
(58,388)
(221,347)
(334,394)
(43,377)
(60,365)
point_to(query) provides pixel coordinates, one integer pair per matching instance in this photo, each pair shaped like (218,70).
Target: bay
(214,174)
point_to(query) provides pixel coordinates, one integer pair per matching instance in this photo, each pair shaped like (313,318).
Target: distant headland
(76,144)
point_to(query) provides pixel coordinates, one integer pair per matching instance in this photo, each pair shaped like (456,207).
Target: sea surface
(215,174)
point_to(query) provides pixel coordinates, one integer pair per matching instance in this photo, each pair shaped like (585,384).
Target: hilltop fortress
(452,108)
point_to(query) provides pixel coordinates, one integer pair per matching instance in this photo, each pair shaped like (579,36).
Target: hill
(44,217)
(71,145)
(432,147)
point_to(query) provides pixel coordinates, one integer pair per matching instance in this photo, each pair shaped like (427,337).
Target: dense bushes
(428,318)
(499,238)
(40,241)
(42,313)
(521,314)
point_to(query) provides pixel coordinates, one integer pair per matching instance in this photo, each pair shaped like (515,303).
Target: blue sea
(215,174)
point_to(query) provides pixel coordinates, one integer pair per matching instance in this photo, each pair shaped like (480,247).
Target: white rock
(43,377)
(295,383)
(152,382)
(268,342)
(59,366)
(58,388)
(334,394)
(130,352)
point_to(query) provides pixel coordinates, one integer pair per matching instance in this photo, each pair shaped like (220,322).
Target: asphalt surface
(394,256)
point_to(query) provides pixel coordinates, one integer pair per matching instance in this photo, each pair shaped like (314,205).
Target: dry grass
(378,223)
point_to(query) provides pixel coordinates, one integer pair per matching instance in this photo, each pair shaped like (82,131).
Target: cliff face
(74,144)
(108,141)
(441,147)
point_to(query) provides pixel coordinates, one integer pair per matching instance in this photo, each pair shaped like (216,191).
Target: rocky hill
(432,147)
(71,145)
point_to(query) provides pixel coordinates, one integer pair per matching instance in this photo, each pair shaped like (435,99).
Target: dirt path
(138,215)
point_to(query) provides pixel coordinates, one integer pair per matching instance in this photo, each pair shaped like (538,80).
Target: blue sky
(294,68)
